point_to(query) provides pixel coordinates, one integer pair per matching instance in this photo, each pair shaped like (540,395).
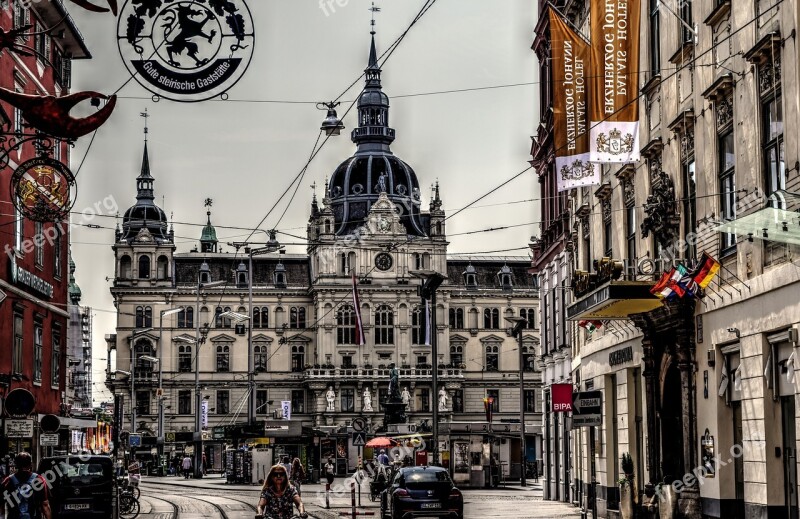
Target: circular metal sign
(189,50)
(50,423)
(43,190)
(20,403)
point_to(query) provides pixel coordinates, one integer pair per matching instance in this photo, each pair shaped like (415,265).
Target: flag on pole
(790,368)
(668,287)
(427,322)
(723,383)
(357,305)
(590,325)
(571,57)
(706,271)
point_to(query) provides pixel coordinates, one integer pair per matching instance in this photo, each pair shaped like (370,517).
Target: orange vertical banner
(571,55)
(614,92)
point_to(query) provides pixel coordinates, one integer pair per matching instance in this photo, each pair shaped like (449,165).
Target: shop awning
(771,223)
(615,300)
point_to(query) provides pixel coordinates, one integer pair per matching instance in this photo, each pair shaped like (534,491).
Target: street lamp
(332,125)
(272,246)
(431,280)
(519,325)
(160,392)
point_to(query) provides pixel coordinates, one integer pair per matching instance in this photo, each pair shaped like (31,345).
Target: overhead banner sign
(571,57)
(614,92)
(286,409)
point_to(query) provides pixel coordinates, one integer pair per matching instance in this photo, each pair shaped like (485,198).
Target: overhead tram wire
(690,63)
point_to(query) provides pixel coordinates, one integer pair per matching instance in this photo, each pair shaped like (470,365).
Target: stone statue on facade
(442,399)
(406,396)
(367,400)
(330,396)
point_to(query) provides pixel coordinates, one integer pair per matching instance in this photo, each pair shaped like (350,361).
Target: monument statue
(442,399)
(367,400)
(330,396)
(394,387)
(394,408)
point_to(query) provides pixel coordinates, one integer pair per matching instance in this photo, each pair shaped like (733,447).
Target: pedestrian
(205,465)
(29,491)
(298,474)
(330,472)
(187,466)
(286,463)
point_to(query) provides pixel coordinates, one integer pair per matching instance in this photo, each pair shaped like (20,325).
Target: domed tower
(208,238)
(145,244)
(359,181)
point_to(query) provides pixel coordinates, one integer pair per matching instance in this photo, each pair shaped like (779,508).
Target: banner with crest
(570,65)
(614,89)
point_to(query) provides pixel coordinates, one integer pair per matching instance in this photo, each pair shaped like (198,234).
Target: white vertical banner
(204,414)
(286,409)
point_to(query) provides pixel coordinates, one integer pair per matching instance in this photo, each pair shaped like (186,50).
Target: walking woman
(278,497)
(298,474)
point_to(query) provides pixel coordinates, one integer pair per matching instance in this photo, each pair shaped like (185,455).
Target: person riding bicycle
(278,497)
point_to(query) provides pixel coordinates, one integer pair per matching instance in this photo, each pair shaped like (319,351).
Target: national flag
(590,325)
(687,282)
(357,305)
(667,287)
(427,322)
(706,271)
(660,285)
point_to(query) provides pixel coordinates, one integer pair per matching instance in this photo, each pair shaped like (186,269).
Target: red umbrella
(381,442)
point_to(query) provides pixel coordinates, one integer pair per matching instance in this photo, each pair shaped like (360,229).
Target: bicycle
(129,507)
(127,484)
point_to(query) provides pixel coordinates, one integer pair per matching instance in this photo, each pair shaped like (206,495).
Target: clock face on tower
(383,261)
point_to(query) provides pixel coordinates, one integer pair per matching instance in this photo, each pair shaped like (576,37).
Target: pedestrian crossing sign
(359,439)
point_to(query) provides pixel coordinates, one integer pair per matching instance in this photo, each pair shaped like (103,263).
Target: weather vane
(208,202)
(374,10)
(146,116)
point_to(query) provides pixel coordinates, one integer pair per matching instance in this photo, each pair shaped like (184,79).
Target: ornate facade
(370,226)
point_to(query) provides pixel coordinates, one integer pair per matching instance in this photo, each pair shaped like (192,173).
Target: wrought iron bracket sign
(606,269)
(44,190)
(186,51)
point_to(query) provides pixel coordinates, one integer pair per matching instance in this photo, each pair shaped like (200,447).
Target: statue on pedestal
(367,400)
(394,387)
(442,399)
(330,396)
(395,405)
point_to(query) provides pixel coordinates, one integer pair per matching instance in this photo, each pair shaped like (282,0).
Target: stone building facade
(693,379)
(370,226)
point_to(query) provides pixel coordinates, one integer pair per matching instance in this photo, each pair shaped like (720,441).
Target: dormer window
(504,278)
(470,278)
(241,275)
(280,276)
(205,274)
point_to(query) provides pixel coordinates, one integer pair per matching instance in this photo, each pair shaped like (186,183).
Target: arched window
(384,325)
(148,317)
(125,267)
(297,317)
(184,359)
(327,226)
(492,357)
(457,318)
(260,357)
(204,317)
(218,317)
(491,318)
(298,358)
(256,317)
(186,318)
(140,317)
(346,325)
(144,368)
(223,358)
(456,355)
(144,267)
(162,268)
(351,262)
(226,321)
(264,317)
(529,314)
(301,317)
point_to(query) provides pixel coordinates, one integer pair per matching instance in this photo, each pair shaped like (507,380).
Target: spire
(436,202)
(208,238)
(73,289)
(373,55)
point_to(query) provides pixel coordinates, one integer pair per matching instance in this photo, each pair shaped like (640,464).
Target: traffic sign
(359,439)
(587,409)
(134,440)
(359,424)
(48,440)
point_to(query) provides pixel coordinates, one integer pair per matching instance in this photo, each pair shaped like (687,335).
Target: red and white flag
(357,305)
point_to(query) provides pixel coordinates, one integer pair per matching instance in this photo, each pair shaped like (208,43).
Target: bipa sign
(562,398)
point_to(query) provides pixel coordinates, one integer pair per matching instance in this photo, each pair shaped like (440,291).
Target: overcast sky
(244,152)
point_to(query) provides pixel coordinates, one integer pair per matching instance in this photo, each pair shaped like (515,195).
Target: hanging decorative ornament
(189,50)
(44,190)
(96,8)
(50,114)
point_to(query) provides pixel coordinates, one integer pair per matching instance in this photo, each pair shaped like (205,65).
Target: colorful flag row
(595,92)
(679,281)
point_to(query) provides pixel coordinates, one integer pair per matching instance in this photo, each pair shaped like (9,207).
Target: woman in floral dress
(278,497)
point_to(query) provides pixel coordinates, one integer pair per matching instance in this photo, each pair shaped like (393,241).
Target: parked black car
(422,491)
(82,487)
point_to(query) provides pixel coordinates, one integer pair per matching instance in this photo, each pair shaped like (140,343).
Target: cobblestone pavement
(212,497)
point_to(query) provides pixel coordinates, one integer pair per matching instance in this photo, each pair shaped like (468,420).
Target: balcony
(378,374)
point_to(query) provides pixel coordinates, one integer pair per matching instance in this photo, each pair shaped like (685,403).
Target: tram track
(241,509)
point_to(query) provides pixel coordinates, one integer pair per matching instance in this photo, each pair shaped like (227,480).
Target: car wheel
(396,514)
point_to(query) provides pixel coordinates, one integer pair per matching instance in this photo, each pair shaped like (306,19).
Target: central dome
(358,181)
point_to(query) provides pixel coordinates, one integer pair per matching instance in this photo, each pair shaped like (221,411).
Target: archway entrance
(671,421)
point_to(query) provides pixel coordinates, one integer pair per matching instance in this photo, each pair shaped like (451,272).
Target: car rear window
(76,472)
(427,476)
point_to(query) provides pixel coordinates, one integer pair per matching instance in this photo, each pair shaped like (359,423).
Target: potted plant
(627,490)
(666,500)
